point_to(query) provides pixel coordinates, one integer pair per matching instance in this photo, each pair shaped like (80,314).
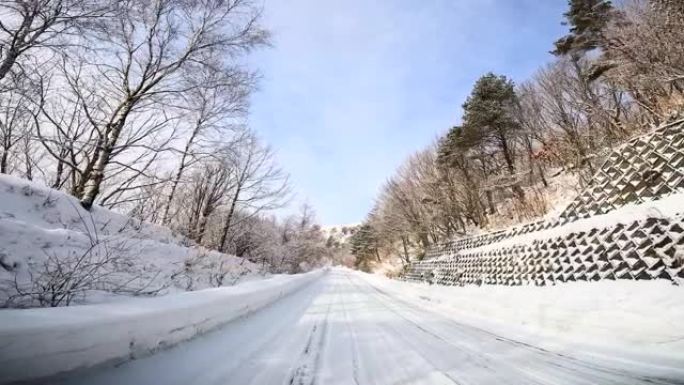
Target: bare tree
(135,64)
(578,117)
(27,25)
(213,182)
(644,47)
(15,126)
(303,243)
(258,185)
(212,110)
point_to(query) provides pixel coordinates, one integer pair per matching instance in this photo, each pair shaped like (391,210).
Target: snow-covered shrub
(62,279)
(44,235)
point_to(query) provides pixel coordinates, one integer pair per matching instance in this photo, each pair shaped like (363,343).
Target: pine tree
(453,147)
(587,20)
(365,246)
(489,118)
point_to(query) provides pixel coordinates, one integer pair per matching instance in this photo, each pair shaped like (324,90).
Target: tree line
(617,72)
(140,106)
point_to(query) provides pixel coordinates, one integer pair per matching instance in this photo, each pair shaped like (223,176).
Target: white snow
(346,327)
(336,232)
(667,207)
(637,317)
(37,222)
(352,328)
(43,342)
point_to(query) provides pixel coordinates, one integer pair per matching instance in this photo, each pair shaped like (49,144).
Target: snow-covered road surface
(343,330)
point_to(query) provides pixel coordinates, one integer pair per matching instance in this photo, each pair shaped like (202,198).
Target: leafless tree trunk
(259,184)
(14,125)
(135,64)
(26,25)
(213,105)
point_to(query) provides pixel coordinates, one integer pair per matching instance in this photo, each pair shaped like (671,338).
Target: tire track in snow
(397,336)
(273,334)
(403,338)
(386,342)
(476,358)
(414,347)
(479,359)
(619,377)
(310,359)
(354,342)
(574,372)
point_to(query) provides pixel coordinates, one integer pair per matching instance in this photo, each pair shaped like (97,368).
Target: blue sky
(350,88)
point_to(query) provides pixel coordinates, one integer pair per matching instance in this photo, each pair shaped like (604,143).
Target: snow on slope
(37,223)
(339,233)
(667,207)
(562,188)
(638,317)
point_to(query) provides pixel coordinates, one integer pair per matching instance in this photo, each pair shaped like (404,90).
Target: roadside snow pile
(641,318)
(42,342)
(49,242)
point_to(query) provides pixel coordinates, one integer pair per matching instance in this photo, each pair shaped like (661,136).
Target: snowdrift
(42,342)
(38,223)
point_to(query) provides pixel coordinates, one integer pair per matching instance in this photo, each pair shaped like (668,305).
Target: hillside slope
(54,253)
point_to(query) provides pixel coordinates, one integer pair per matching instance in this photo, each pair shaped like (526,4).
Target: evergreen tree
(330,242)
(489,118)
(365,246)
(452,149)
(587,20)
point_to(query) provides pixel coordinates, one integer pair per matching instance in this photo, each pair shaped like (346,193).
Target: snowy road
(343,330)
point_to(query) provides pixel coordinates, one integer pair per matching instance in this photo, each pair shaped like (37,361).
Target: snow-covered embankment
(42,342)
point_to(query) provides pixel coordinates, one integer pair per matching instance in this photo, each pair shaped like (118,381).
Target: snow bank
(42,342)
(37,222)
(641,318)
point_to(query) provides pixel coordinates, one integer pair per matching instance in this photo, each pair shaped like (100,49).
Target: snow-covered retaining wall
(644,169)
(636,242)
(629,224)
(37,343)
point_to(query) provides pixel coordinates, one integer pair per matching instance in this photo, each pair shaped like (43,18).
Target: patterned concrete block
(646,168)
